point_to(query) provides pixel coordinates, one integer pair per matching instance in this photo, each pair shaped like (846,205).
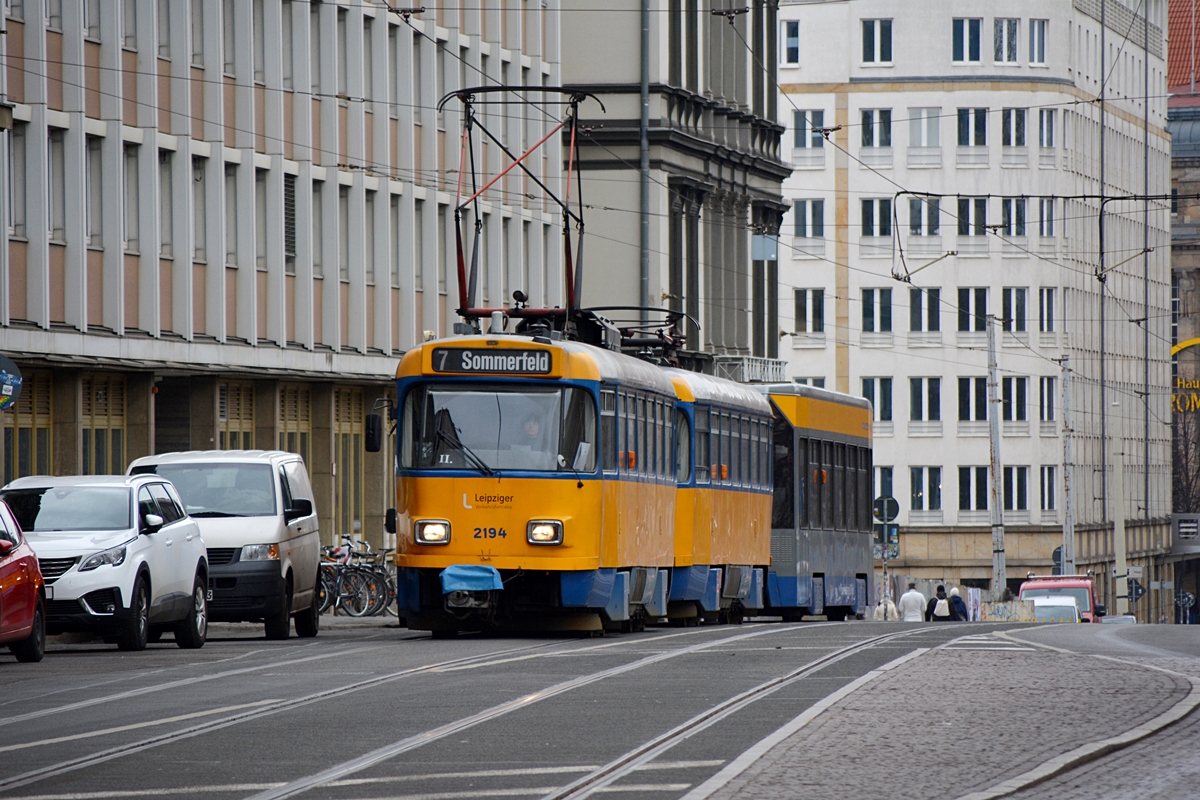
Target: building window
(972,488)
(231,216)
(1049,487)
(1174,202)
(166,205)
(972,309)
(444,252)
(1016,488)
(883,482)
(314,49)
(1046,127)
(27,426)
(369,237)
(235,416)
(924,399)
(972,127)
(791,42)
(924,127)
(924,216)
(130,207)
(199,210)
(289,50)
(877,127)
(57,186)
(806,127)
(966,40)
(924,309)
(54,14)
(877,217)
(103,422)
(368,64)
(318,230)
(129,24)
(879,392)
(295,419)
(972,399)
(91,20)
(342,66)
(289,224)
(1012,216)
(972,216)
(348,456)
(260,41)
(1012,131)
(260,220)
(229,40)
(926,488)
(395,240)
(394,74)
(1013,299)
(810,310)
(1013,399)
(1046,217)
(17,181)
(1037,41)
(810,219)
(1005,40)
(198,33)
(164,29)
(817,382)
(1046,386)
(877,310)
(1046,309)
(95,191)
(419,245)
(877,41)
(344,233)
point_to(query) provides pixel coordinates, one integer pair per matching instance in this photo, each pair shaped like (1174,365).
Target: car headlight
(433,531)
(544,531)
(114,556)
(260,552)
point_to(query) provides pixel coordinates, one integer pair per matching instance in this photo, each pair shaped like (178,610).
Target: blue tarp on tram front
(470,578)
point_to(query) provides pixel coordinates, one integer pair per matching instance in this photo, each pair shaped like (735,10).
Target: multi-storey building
(694,230)
(226,220)
(949,158)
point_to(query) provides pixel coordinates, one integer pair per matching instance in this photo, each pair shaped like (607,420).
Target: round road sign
(886,508)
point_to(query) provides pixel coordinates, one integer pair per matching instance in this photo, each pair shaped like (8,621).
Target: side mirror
(1100,610)
(301,507)
(389,520)
(153,522)
(6,546)
(373,437)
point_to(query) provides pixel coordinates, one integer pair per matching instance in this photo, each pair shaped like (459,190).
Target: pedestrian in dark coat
(938,609)
(958,607)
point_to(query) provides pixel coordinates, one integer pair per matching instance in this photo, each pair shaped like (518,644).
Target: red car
(22,607)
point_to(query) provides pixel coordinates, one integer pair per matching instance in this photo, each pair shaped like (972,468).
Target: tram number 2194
(490,533)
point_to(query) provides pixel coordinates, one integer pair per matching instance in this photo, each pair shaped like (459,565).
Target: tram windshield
(498,427)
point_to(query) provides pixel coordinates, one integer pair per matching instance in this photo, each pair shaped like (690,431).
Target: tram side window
(660,418)
(839,487)
(683,447)
(851,488)
(579,431)
(781,432)
(827,520)
(743,443)
(868,471)
(628,455)
(784,491)
(608,429)
(726,451)
(816,475)
(754,453)
(764,454)
(703,439)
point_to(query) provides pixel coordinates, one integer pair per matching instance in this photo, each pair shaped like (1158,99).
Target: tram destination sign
(465,361)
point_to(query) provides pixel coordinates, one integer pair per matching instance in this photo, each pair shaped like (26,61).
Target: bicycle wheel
(327,588)
(354,594)
(377,584)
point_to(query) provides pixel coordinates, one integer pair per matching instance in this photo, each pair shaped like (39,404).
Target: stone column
(320,467)
(266,415)
(139,415)
(67,430)
(375,473)
(203,413)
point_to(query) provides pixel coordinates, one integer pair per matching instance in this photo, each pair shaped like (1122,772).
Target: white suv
(119,555)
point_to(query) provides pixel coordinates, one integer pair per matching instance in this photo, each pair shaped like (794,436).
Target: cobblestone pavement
(1165,766)
(954,721)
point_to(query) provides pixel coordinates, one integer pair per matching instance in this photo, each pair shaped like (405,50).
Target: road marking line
(746,759)
(532,792)
(258,787)
(134,726)
(394,749)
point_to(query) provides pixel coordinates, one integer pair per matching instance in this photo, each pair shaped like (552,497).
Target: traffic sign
(1137,572)
(1185,599)
(10,383)
(886,508)
(1136,590)
(887,541)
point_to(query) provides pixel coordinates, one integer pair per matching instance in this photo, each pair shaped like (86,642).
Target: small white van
(256,513)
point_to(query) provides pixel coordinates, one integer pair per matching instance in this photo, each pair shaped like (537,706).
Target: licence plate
(208,597)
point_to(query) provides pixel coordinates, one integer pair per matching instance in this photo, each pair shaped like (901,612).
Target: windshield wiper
(474,460)
(215,514)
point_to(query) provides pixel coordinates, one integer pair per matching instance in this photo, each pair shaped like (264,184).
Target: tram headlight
(544,531)
(433,531)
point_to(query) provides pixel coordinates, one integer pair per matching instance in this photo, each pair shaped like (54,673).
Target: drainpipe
(644,298)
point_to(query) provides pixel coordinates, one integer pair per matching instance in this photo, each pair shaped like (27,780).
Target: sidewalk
(958,720)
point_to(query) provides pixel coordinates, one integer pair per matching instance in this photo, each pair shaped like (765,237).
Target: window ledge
(972,338)
(1014,157)
(972,427)
(875,246)
(877,339)
(885,428)
(925,245)
(972,246)
(924,157)
(808,157)
(974,516)
(925,517)
(1048,428)
(807,247)
(923,428)
(1015,428)
(972,156)
(1048,339)
(1014,246)
(1014,339)
(1016,517)
(875,157)
(1047,158)
(808,341)
(925,339)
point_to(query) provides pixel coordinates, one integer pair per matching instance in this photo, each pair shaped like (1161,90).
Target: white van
(256,513)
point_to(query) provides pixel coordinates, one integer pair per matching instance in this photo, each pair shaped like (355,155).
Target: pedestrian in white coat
(912,605)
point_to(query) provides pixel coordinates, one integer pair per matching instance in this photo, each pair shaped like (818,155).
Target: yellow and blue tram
(554,484)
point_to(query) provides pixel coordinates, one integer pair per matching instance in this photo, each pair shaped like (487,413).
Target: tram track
(648,751)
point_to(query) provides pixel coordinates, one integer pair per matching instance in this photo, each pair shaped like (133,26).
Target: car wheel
(136,631)
(192,631)
(279,626)
(308,621)
(33,648)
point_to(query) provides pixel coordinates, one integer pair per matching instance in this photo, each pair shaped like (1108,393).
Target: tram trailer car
(821,520)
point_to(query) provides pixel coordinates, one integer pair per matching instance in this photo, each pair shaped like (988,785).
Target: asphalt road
(365,712)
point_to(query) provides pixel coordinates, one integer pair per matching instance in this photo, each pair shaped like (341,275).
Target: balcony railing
(875,156)
(750,369)
(1014,157)
(924,157)
(808,157)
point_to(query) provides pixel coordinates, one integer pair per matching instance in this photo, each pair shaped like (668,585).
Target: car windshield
(1080,594)
(498,427)
(223,490)
(71,508)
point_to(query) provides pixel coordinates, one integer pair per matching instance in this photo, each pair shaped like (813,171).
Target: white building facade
(958,180)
